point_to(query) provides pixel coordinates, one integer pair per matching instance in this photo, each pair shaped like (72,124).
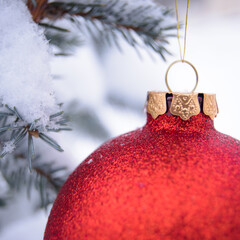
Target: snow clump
(25,80)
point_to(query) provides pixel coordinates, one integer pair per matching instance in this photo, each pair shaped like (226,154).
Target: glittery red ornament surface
(171,179)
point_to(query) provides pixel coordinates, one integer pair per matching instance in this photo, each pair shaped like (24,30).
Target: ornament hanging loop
(182,54)
(181,61)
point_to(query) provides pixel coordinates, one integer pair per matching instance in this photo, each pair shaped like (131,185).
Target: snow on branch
(27,103)
(25,75)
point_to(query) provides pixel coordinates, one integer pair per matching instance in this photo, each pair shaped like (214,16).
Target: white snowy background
(111,90)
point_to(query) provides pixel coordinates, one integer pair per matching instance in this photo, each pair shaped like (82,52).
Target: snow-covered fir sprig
(16,128)
(25,76)
(144,19)
(28,106)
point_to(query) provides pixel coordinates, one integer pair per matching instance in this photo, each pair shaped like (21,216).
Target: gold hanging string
(182,55)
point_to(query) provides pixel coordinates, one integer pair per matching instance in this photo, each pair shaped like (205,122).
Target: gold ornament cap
(184,105)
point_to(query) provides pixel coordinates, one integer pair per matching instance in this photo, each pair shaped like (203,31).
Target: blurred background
(104,91)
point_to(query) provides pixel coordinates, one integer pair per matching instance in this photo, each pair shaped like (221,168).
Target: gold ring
(182,61)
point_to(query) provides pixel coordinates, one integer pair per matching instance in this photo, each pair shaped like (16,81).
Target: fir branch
(37,8)
(46,178)
(149,21)
(64,39)
(17,129)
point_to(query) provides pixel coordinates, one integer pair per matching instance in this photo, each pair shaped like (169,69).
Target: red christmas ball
(171,179)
